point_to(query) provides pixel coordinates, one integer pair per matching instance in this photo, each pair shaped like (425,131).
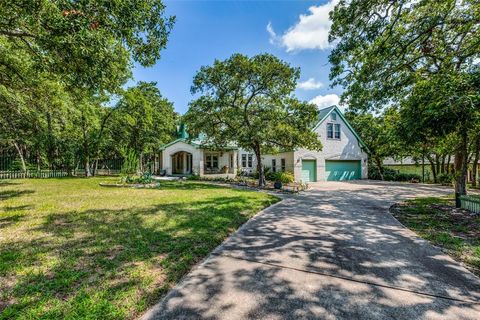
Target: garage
(341,170)
(309,170)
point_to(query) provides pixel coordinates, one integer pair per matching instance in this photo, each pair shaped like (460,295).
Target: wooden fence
(42,174)
(17,174)
(471,203)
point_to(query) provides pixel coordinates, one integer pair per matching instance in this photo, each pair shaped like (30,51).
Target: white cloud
(326,101)
(310,32)
(273,36)
(310,84)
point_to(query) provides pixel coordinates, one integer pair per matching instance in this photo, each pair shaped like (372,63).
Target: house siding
(347,148)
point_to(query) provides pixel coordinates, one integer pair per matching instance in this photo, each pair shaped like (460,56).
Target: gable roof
(199,142)
(185,140)
(324,113)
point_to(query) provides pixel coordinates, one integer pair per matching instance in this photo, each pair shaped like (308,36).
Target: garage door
(339,170)
(309,170)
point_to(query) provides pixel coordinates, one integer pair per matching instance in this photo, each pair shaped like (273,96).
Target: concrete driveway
(333,252)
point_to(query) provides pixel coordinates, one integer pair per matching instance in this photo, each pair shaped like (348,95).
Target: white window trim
(334,125)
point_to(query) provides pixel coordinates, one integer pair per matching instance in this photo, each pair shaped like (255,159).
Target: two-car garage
(335,170)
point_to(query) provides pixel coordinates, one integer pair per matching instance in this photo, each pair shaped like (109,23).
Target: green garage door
(339,170)
(309,170)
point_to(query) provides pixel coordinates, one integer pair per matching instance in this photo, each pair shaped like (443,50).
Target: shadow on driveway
(333,252)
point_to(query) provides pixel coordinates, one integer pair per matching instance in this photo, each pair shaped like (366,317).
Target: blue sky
(215,29)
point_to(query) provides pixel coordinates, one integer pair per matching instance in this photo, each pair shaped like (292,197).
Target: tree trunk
(442,166)
(378,163)
(20,154)
(261,173)
(85,147)
(50,142)
(433,168)
(461,166)
(476,159)
(140,162)
(447,169)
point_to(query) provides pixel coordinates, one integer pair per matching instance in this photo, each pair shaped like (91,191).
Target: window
(274,165)
(337,131)
(282,162)
(330,130)
(250,160)
(212,161)
(333,116)
(231,160)
(244,160)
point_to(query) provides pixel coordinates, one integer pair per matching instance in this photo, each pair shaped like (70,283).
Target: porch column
(200,172)
(184,160)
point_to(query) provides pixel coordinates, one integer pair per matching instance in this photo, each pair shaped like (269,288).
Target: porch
(219,163)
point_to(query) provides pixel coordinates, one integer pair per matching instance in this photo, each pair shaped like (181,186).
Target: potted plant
(283,178)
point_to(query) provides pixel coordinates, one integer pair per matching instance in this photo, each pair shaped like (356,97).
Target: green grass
(70,249)
(433,219)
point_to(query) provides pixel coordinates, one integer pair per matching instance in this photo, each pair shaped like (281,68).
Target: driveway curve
(333,252)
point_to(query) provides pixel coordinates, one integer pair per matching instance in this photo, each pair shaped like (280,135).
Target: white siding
(197,156)
(347,148)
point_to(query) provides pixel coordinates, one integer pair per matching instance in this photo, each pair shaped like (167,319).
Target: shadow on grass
(103,257)
(8,194)
(188,185)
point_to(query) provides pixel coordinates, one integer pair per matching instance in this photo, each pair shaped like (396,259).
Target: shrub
(445,178)
(284,177)
(392,175)
(406,177)
(130,162)
(145,178)
(374,174)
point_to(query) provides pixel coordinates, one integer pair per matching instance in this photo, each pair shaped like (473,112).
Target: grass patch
(72,249)
(457,231)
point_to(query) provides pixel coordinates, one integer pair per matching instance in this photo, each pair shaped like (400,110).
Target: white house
(343,156)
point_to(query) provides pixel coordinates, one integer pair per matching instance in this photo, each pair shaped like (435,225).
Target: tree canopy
(248,101)
(421,57)
(61,63)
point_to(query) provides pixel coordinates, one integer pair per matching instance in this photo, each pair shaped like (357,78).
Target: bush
(284,177)
(145,178)
(392,175)
(130,162)
(445,178)
(406,177)
(374,174)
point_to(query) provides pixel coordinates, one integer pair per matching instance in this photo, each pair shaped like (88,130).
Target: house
(343,156)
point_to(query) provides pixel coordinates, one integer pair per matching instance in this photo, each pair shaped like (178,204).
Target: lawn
(72,249)
(457,231)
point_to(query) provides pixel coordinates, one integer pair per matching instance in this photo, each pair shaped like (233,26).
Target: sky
(205,30)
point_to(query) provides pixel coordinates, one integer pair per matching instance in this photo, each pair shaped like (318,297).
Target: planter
(277,185)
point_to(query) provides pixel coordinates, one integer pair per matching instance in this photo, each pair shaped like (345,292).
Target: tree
(60,60)
(249,102)
(411,53)
(379,134)
(88,44)
(143,120)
